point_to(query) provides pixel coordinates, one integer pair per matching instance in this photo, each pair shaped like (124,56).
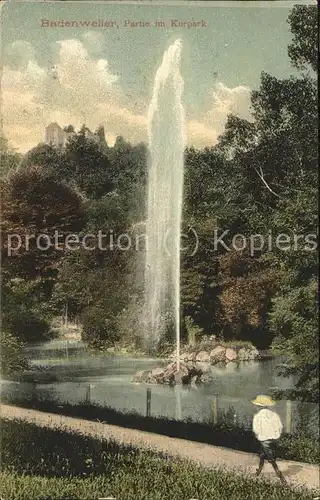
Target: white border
(180,3)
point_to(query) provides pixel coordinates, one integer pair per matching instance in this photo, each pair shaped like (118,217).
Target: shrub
(12,359)
(97,329)
(294,320)
(29,326)
(129,325)
(299,447)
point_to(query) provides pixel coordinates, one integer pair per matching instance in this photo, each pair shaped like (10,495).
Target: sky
(104,75)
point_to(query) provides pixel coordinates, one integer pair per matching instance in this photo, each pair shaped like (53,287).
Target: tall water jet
(167,140)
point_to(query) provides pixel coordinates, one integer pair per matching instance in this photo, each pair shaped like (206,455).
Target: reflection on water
(109,378)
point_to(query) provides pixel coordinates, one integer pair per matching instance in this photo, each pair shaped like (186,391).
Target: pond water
(74,369)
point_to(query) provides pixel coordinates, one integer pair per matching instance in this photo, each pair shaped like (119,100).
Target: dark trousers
(268,452)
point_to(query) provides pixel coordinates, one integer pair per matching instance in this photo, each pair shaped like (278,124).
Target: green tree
(285,119)
(247,287)
(296,216)
(23,309)
(9,158)
(261,177)
(36,207)
(47,156)
(98,330)
(12,359)
(129,165)
(294,320)
(101,275)
(88,164)
(303,51)
(80,282)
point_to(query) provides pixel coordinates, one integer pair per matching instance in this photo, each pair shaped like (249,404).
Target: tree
(79,282)
(36,209)
(9,158)
(296,216)
(210,201)
(294,320)
(23,311)
(69,129)
(101,134)
(270,166)
(303,51)
(89,165)
(206,193)
(129,165)
(47,156)
(98,330)
(246,290)
(111,293)
(285,113)
(12,359)
(101,275)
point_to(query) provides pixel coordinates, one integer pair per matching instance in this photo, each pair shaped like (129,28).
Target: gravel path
(297,474)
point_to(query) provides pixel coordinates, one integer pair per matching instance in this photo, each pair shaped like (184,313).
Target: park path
(297,474)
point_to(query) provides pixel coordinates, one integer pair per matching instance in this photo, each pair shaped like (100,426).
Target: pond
(68,369)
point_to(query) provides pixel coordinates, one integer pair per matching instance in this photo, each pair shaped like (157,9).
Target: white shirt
(267,425)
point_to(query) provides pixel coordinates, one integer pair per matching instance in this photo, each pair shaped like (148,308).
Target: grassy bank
(299,447)
(43,464)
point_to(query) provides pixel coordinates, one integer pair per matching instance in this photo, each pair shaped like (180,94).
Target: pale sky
(100,75)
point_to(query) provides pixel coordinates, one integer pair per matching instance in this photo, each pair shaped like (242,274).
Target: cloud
(23,118)
(78,83)
(81,88)
(230,100)
(18,54)
(94,41)
(71,91)
(201,135)
(224,101)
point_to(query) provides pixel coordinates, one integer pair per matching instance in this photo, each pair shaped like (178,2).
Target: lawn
(43,464)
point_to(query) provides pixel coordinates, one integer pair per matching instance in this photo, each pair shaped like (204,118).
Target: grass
(299,447)
(43,464)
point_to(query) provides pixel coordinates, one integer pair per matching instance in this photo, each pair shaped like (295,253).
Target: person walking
(267,427)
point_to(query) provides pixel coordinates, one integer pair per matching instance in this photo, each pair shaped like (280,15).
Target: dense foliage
(9,158)
(60,465)
(294,316)
(12,359)
(259,181)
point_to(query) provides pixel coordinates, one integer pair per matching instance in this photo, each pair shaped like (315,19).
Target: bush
(299,447)
(12,359)
(29,326)
(129,325)
(294,320)
(97,329)
(23,307)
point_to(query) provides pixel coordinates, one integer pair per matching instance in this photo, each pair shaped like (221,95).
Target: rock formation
(168,375)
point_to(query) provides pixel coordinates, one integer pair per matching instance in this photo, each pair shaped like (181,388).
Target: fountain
(167,140)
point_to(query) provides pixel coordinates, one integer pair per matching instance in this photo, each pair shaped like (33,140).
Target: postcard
(159,242)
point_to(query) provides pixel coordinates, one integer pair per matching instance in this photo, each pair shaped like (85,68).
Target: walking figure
(267,428)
